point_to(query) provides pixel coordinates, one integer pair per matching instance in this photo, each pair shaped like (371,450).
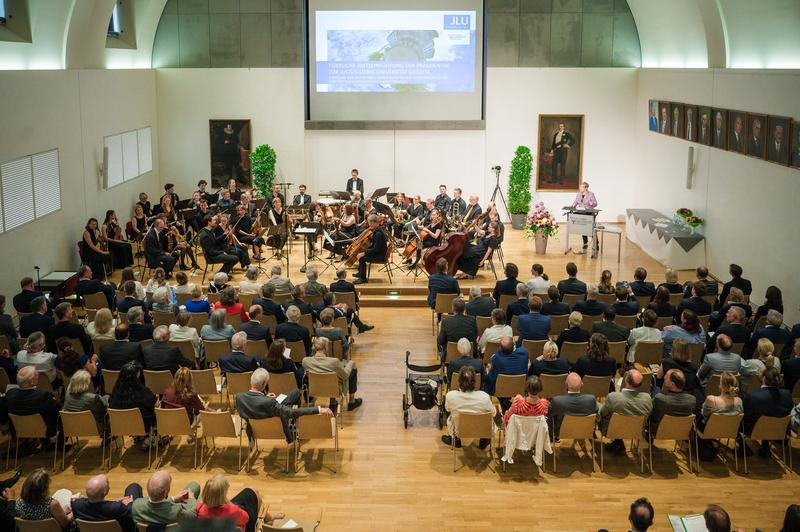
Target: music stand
(340,195)
(285,191)
(378,193)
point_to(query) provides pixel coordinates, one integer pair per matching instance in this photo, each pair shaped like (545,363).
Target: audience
(466,400)
(646,333)
(773,331)
(597,362)
(227,301)
(773,300)
(279,284)
(590,306)
(216,328)
(130,392)
(660,304)
(574,333)
(87,285)
(250,284)
(343,285)
(539,283)
(737,281)
(298,293)
(554,307)
(183,286)
(138,330)
(639,287)
(242,509)
(770,400)
(734,328)
(711,287)
(630,401)
(95,506)
(529,405)
(313,287)
(268,305)
(441,283)
(727,402)
(334,333)
(237,361)
(671,282)
(321,362)
(256,332)
(571,285)
(33,355)
(721,360)
(672,400)
(22,301)
(605,286)
(130,299)
(641,515)
(507,361)
(218,283)
(197,304)
(573,403)
(276,362)
(116,354)
(479,304)
(64,327)
(162,301)
(292,331)
(689,329)
(533,325)
(717,519)
(695,302)
(182,395)
(69,361)
(465,359)
(497,330)
(181,332)
(39,321)
(159,508)
(680,359)
(80,397)
(624,306)
(520,306)
(102,328)
(549,362)
(736,298)
(507,286)
(614,332)
(763,357)
(456,326)
(161,355)
(35,502)
(25,400)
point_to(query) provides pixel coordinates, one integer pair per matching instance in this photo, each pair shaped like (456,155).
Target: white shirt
(537,285)
(43,362)
(246,286)
(187,288)
(458,402)
(494,334)
(178,333)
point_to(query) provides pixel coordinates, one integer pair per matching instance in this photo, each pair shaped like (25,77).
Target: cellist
(376,252)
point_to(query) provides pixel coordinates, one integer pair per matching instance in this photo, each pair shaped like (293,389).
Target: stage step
(386,301)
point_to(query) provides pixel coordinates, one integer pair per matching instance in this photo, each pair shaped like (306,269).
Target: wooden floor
(390,478)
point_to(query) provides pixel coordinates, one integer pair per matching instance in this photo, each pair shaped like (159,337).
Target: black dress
(429,241)
(470,259)
(121,252)
(94,259)
(277,240)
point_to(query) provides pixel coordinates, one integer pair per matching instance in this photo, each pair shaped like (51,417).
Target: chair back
(270,322)
(280,297)
(215,349)
(77,346)
(618,350)
(337,349)
(269,428)
(710,299)
(79,424)
(474,426)
(297,350)
(573,350)
(30,426)
(307,321)
(675,299)
(256,348)
(444,303)
(514,326)
(696,353)
(95,301)
(282,382)
(238,382)
(145,343)
(649,353)
(553,385)
(722,427)
(713,386)
(40,525)
(98,343)
(490,349)
(45,384)
(316,427)
(622,427)
(663,321)
(738,347)
(313,299)
(197,320)
(98,526)
(578,427)
(234,320)
(558,323)
(770,428)
(677,428)
(323,384)
(484,322)
(347,297)
(109,380)
(4,345)
(452,352)
(647,382)
(204,381)
(535,348)
(213,297)
(157,381)
(629,322)
(217,424)
(163,318)
(571,299)
(173,422)
(590,319)
(597,386)
(796,392)
(186,348)
(704,320)
(761,323)
(182,298)
(122,317)
(607,299)
(126,422)
(341,322)
(505,300)
(246,300)
(509,385)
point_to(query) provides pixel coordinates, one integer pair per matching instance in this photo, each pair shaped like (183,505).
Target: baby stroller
(424,389)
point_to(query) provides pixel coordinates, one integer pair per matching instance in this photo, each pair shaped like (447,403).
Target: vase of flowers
(540,225)
(694,223)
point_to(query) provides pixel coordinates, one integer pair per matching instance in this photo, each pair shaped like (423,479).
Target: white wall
(750,205)
(71,111)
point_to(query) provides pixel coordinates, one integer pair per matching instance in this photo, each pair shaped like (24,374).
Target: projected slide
(395,51)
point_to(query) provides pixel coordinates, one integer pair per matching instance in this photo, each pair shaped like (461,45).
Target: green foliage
(519,181)
(263,159)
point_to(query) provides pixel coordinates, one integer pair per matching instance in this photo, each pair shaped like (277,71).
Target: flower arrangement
(683,212)
(694,221)
(540,221)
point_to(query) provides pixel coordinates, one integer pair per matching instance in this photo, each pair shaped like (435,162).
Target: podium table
(581,222)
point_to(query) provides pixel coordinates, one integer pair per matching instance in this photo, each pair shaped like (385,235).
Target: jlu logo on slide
(456,22)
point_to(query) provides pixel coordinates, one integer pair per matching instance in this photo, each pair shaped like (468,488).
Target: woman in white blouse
(35,355)
(250,285)
(183,286)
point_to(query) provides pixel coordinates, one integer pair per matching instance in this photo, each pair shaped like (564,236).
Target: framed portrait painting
(690,122)
(704,125)
(652,107)
(230,152)
(663,118)
(794,161)
(756,129)
(719,128)
(778,139)
(560,152)
(736,135)
(676,119)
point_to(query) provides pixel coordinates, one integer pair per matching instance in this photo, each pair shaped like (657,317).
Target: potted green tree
(263,160)
(519,186)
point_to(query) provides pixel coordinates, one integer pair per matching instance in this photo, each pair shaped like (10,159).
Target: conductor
(376,252)
(355,183)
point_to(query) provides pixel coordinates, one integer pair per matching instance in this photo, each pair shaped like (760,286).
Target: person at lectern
(355,183)
(585,199)
(562,142)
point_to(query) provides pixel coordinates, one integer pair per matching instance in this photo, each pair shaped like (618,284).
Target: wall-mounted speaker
(690,168)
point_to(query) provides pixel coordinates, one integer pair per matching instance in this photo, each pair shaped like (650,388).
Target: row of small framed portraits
(772,138)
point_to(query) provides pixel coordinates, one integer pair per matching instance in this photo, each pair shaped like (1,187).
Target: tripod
(497,190)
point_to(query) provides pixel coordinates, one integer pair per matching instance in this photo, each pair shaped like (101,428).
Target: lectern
(581,222)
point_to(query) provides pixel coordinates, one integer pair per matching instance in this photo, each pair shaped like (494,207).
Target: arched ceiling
(674,34)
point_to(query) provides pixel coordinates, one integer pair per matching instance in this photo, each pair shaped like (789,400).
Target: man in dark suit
(298,292)
(64,327)
(302,198)
(712,287)
(613,331)
(138,330)
(456,327)
(520,306)
(376,252)
(130,301)
(791,367)
(774,331)
(95,506)
(672,401)
(736,139)
(533,325)
(641,288)
(87,285)
(571,285)
(559,149)
(624,306)
(479,304)
(441,283)
(214,247)
(574,403)
(292,331)
(473,209)
(770,400)
(354,183)
(735,329)
(755,145)
(777,147)
(116,354)
(507,286)
(554,307)
(343,285)
(268,305)
(160,355)
(26,400)
(508,360)
(719,129)
(237,361)
(736,281)
(590,306)
(154,250)
(253,329)
(22,301)
(700,306)
(38,321)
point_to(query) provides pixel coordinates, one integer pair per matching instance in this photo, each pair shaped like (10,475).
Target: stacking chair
(629,322)
(514,328)
(508,386)
(677,429)
(216,349)
(452,352)
(80,425)
(174,422)
(183,298)
(664,321)
(738,347)
(97,344)
(489,350)
(696,353)
(265,429)
(341,322)
(197,320)
(282,382)
(31,426)
(186,348)
(326,385)
(576,428)
(234,320)
(212,298)
(553,385)
(472,426)
(607,299)
(109,380)
(347,297)
(157,381)
(217,425)
(95,301)
(297,350)
(622,427)
(270,322)
(535,348)
(649,353)
(43,525)
(307,321)
(205,383)
(597,386)
(675,299)
(98,526)
(591,319)
(571,299)
(318,427)
(484,322)
(237,383)
(704,320)
(44,384)
(618,350)
(163,318)
(126,422)
(443,305)
(246,300)
(557,324)
(313,300)
(573,350)
(769,428)
(505,300)
(256,348)
(337,349)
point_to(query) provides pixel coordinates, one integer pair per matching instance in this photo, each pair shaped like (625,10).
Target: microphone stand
(285,190)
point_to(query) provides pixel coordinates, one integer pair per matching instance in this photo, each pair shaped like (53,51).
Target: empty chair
(534,348)
(307,321)
(696,353)
(126,422)
(508,386)
(265,429)
(109,380)
(297,351)
(553,385)
(157,381)
(704,320)
(326,385)
(237,383)
(442,305)
(282,383)
(558,324)
(186,348)
(32,426)
(618,350)
(649,353)
(662,322)
(197,320)
(720,427)
(572,351)
(217,425)
(174,422)
(256,348)
(622,427)
(163,318)
(516,438)
(597,386)
(484,322)
(677,429)
(205,383)
(316,427)
(234,320)
(505,300)
(770,429)
(489,350)
(571,299)
(215,349)
(80,425)
(576,428)
(270,322)
(98,526)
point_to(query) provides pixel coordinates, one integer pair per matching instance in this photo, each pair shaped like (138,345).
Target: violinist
(138,223)
(246,233)
(347,230)
(235,247)
(215,245)
(417,210)
(174,235)
(235,192)
(315,214)
(247,201)
(145,204)
(95,252)
(225,199)
(358,203)
(195,201)
(199,214)
(376,252)
(155,249)
(476,254)
(399,209)
(278,216)
(121,252)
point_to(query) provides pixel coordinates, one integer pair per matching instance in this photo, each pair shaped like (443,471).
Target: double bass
(451,248)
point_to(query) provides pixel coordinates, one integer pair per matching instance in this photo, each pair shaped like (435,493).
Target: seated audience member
(549,362)
(322,362)
(717,519)
(590,306)
(7,327)
(9,365)
(520,306)
(197,304)
(695,303)
(497,330)
(159,508)
(641,515)
(182,395)
(737,281)
(255,404)
(710,285)
(630,401)
(770,400)
(773,300)
(130,392)
(441,283)
(218,283)
(181,332)
(646,333)
(597,362)
(35,502)
(529,405)
(457,326)
(237,361)
(660,303)
(507,361)
(534,325)
(479,304)
(162,301)
(275,362)
(727,402)
(721,360)
(80,397)
(138,330)
(465,359)
(736,298)
(128,275)
(25,400)
(69,361)
(227,302)
(673,400)
(466,400)
(774,331)
(34,355)
(624,306)
(279,284)
(605,286)
(641,288)
(183,285)
(38,321)
(571,285)
(671,282)
(22,301)
(217,329)
(313,287)
(297,300)
(342,284)
(689,329)
(680,359)
(332,333)
(242,509)
(102,328)
(256,332)
(64,327)
(268,305)
(573,403)
(343,310)
(292,331)
(614,332)
(250,284)
(574,333)
(116,354)
(158,278)
(763,357)
(161,355)
(791,367)
(130,298)
(87,285)
(735,328)
(539,283)
(95,506)
(554,307)
(507,286)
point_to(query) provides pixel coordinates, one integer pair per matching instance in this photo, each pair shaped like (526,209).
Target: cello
(360,244)
(451,248)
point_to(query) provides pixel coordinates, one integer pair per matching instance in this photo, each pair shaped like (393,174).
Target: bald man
(630,401)
(159,507)
(574,403)
(95,506)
